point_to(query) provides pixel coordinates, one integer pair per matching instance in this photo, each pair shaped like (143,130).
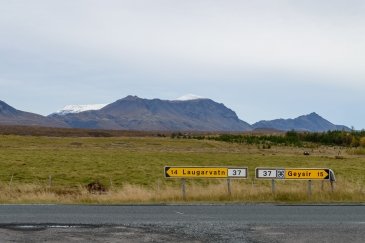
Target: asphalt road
(182,223)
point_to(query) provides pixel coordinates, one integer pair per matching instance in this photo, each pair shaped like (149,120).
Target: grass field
(57,169)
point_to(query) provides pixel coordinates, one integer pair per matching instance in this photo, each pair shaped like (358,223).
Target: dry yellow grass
(217,191)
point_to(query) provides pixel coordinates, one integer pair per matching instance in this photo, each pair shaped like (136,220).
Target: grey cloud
(108,49)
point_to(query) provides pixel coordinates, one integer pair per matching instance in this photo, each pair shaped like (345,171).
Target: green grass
(75,162)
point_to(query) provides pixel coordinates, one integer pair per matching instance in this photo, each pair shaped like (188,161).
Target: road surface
(182,223)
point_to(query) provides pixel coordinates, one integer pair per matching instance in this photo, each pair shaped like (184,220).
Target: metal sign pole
(183,189)
(332,186)
(309,188)
(332,180)
(229,187)
(273,186)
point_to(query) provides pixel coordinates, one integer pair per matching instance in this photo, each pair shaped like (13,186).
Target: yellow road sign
(293,173)
(307,174)
(205,172)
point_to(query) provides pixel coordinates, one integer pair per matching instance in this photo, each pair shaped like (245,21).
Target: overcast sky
(263,59)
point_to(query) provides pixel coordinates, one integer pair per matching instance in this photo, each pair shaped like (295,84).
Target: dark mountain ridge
(12,116)
(311,122)
(134,113)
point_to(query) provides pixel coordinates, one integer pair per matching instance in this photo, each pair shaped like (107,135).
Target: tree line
(290,138)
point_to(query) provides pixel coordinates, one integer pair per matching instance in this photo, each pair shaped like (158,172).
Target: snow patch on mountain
(189,97)
(79,108)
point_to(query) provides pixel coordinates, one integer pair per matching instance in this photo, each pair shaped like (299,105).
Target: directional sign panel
(205,172)
(293,173)
(307,174)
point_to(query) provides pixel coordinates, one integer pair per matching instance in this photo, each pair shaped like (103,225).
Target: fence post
(158,185)
(11,180)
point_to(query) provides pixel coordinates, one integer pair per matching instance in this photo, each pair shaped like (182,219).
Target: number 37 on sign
(266,173)
(237,172)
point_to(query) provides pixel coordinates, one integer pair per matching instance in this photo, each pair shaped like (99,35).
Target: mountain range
(188,113)
(134,113)
(311,122)
(12,116)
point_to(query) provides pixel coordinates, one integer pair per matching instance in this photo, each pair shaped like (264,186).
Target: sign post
(309,174)
(229,187)
(293,173)
(197,172)
(183,188)
(273,186)
(309,188)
